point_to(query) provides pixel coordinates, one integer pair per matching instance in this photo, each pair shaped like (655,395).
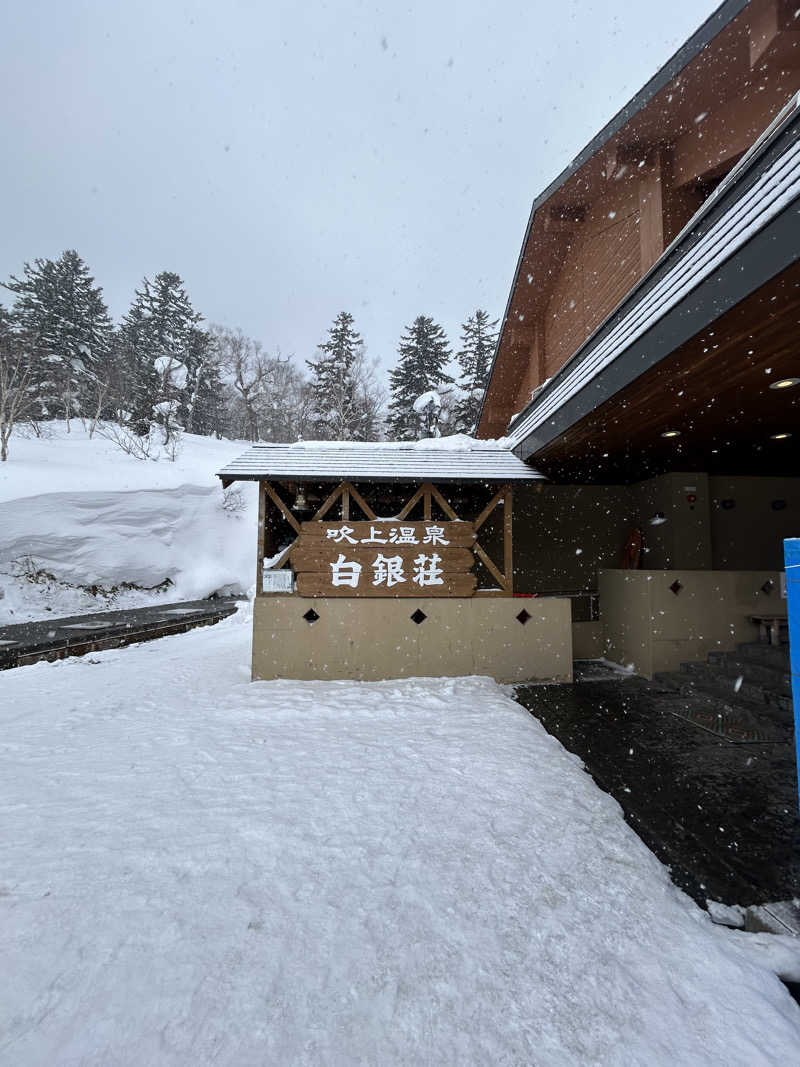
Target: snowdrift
(84,527)
(141,537)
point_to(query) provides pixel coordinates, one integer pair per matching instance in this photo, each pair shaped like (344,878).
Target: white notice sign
(277,582)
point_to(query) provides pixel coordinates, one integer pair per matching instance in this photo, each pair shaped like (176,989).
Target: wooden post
(262,517)
(345,505)
(508,543)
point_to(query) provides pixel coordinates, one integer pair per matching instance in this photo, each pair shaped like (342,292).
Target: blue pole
(791,553)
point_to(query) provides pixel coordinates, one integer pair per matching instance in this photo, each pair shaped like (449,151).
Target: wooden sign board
(384,559)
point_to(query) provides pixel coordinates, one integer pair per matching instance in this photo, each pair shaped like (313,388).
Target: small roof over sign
(448,459)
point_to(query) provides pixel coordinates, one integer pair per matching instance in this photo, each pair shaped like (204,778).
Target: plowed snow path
(196,870)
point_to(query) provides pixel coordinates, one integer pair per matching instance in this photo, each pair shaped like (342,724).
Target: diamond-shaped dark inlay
(524,616)
(676,587)
(311,616)
(768,586)
(419,616)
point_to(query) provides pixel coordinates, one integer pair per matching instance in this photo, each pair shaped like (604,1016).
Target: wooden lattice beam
(487,511)
(408,508)
(284,510)
(328,503)
(495,571)
(440,500)
(359,499)
(506,576)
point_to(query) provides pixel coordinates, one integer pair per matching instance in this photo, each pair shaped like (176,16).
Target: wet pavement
(50,639)
(723,816)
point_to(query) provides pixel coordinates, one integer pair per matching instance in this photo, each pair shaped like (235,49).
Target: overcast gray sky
(291,160)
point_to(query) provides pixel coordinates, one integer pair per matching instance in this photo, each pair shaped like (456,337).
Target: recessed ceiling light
(785,383)
(779,436)
(671,433)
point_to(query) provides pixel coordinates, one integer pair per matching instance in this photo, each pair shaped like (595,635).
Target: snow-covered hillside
(77,514)
(197,869)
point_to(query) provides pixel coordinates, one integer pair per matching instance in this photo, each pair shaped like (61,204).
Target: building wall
(649,627)
(602,262)
(564,534)
(697,537)
(370,639)
(683,539)
(752,528)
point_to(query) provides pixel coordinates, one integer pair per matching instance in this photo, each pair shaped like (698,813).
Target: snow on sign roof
(458,459)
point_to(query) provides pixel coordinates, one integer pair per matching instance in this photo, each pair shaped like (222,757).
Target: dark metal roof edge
(691,48)
(720,201)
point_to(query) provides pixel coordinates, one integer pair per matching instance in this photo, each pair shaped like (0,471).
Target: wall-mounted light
(779,436)
(671,433)
(784,383)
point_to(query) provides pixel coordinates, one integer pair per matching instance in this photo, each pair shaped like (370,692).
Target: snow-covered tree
(478,341)
(424,354)
(343,393)
(62,313)
(159,343)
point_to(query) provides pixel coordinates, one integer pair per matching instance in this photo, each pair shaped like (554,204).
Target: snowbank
(142,537)
(197,869)
(85,514)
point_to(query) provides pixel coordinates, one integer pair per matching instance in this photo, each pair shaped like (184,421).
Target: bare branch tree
(245,364)
(102,387)
(15,375)
(139,446)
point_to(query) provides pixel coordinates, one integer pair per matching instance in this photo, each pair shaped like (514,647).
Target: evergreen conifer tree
(340,411)
(162,351)
(424,353)
(478,341)
(60,309)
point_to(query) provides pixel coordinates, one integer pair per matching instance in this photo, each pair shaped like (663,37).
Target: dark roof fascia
(776,247)
(691,48)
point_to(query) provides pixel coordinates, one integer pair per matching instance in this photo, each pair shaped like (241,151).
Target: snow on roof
(445,459)
(774,191)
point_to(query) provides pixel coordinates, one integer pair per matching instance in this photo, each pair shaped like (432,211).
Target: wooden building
(384,561)
(648,362)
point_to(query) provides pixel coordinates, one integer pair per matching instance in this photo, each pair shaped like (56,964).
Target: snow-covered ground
(78,513)
(198,869)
